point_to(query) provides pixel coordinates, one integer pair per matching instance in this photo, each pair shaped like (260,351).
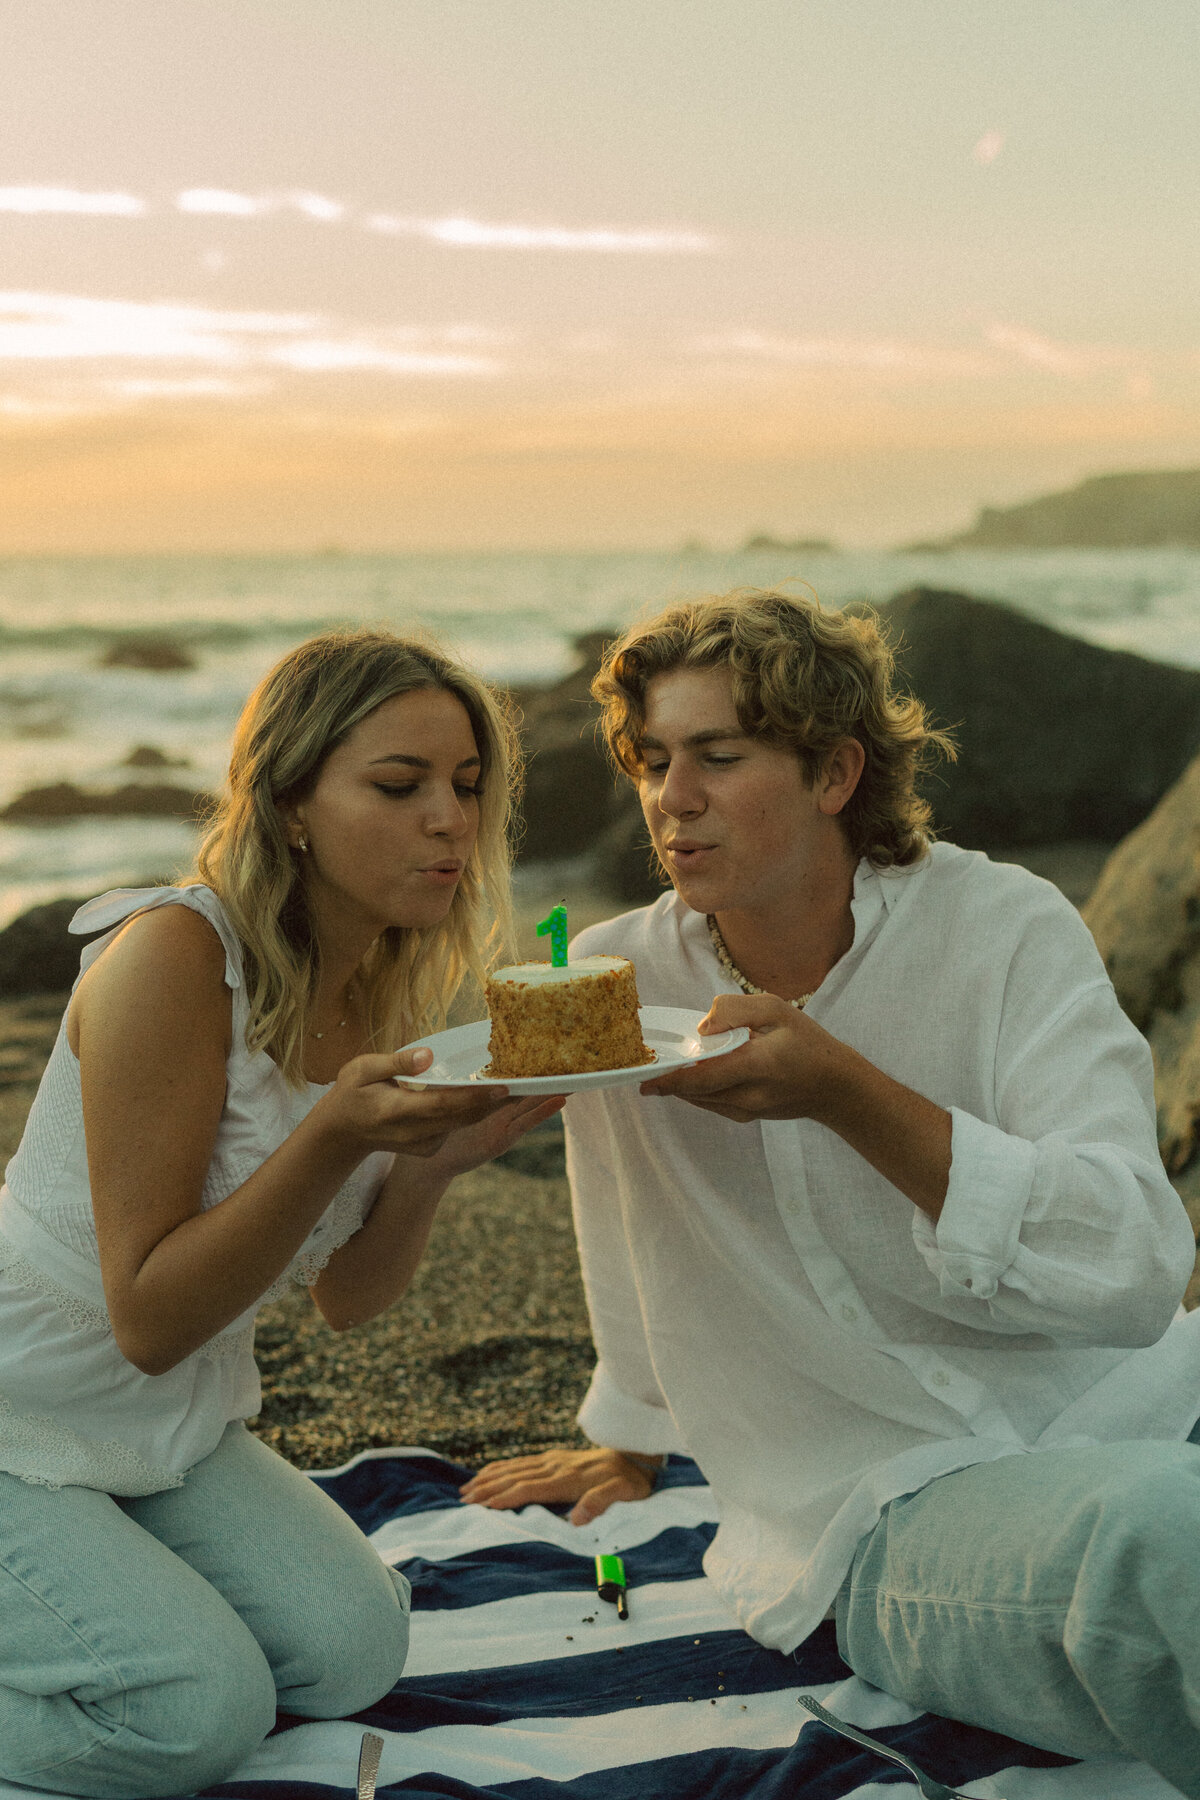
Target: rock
(37,954)
(626,866)
(149,756)
(1057,738)
(138,652)
(137,799)
(572,795)
(1145,917)
(805,546)
(1145,911)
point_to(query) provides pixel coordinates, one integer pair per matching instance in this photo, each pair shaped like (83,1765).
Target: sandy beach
(489,1352)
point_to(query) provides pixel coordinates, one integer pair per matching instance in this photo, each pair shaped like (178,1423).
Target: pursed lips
(686,849)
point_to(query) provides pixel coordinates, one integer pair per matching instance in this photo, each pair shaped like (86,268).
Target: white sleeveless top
(73,1410)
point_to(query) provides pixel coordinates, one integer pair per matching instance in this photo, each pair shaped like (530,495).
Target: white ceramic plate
(670,1031)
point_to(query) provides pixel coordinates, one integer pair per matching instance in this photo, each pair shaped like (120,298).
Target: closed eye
(712,759)
(404,790)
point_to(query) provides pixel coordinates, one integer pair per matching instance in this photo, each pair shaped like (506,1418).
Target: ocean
(66,717)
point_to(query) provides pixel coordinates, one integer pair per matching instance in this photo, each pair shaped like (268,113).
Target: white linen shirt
(764,1300)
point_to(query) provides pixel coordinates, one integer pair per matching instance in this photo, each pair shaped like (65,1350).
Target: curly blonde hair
(804,679)
(300,712)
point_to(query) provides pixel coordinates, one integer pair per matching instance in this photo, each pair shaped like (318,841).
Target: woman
(223,1114)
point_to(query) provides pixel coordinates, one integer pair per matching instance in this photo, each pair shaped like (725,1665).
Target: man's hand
(794,1069)
(593,1479)
(788,1070)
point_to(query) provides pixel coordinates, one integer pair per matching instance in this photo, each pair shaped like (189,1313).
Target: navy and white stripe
(522,1684)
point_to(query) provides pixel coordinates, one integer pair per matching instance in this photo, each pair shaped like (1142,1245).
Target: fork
(369,1754)
(930,1789)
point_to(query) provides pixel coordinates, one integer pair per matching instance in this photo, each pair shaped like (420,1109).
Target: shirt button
(940,1378)
(849,1313)
(793,1206)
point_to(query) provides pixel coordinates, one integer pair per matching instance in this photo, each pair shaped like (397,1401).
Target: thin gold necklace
(731,969)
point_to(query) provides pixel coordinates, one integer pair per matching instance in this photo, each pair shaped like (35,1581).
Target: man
(916,1227)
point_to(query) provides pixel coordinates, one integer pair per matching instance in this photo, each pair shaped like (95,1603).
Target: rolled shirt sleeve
(618,1421)
(1059,1218)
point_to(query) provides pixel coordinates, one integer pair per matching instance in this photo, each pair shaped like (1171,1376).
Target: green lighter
(610,1582)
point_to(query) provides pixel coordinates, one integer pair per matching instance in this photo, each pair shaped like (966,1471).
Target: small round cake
(572,1020)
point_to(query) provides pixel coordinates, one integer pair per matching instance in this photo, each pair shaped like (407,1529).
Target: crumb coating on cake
(571,1021)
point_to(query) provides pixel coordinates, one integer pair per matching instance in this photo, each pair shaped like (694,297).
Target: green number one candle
(556,924)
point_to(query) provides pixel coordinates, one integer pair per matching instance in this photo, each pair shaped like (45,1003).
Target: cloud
(200,387)
(456,231)
(1073,360)
(70,200)
(325,355)
(989,147)
(318,206)
(67,327)
(834,353)
(226,203)
(475,234)
(222,202)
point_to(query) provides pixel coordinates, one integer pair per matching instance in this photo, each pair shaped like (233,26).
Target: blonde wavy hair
(804,679)
(297,715)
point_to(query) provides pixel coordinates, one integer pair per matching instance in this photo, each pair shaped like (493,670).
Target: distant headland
(1140,510)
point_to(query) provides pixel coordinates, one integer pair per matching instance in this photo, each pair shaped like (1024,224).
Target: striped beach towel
(521,1684)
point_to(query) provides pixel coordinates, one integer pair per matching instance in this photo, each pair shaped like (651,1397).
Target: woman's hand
(469,1145)
(593,1479)
(373,1105)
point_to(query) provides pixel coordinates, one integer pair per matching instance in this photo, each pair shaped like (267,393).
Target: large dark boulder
(37,953)
(1057,738)
(572,795)
(1145,918)
(626,866)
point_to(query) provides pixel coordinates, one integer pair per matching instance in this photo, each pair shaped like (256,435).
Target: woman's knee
(361,1648)
(190,1734)
(172,1735)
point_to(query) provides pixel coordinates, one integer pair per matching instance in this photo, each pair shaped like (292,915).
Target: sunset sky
(421,274)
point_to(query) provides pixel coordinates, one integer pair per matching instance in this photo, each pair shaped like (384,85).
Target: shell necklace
(730,968)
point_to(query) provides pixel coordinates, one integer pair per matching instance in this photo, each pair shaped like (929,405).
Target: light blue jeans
(1054,1597)
(145,1644)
